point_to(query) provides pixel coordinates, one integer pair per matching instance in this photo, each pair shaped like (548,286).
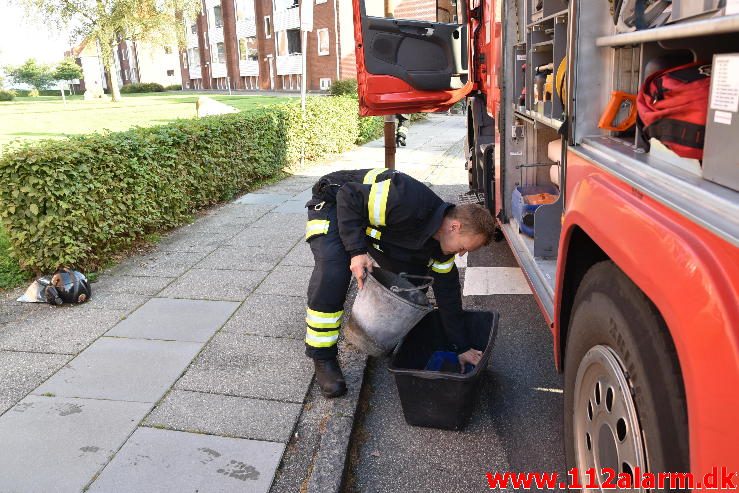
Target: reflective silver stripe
(373,233)
(378,202)
(443,267)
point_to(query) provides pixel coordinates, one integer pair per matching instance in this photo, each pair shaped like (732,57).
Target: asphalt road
(517,419)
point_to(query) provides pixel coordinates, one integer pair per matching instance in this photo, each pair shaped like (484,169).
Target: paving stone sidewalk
(186,370)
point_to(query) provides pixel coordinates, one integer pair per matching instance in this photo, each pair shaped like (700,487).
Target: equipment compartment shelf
(535,115)
(717,25)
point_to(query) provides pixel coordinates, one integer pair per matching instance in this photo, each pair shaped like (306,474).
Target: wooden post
(390,141)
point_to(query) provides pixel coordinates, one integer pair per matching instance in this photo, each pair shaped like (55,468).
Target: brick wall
(322,66)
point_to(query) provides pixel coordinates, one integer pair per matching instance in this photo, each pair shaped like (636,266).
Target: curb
(331,458)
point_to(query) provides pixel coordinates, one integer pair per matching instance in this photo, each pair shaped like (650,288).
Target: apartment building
(256,44)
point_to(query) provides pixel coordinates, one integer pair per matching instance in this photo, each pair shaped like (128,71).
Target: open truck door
(412,55)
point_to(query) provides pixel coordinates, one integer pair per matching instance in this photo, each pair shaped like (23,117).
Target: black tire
(471,159)
(614,322)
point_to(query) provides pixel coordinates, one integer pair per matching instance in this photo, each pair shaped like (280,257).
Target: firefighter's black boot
(329,377)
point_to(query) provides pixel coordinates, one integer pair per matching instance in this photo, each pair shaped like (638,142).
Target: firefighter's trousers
(329,282)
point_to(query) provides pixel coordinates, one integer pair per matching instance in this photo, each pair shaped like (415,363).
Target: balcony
(248,68)
(289,64)
(286,19)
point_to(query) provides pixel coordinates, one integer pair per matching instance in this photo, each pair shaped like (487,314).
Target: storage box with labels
(721,151)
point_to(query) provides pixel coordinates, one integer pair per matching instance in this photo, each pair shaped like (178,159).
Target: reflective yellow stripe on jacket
(373,233)
(378,202)
(316,227)
(371,175)
(442,267)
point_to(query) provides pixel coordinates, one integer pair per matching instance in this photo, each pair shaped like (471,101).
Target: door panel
(409,65)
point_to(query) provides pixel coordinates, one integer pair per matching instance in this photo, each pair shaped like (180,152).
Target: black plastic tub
(440,399)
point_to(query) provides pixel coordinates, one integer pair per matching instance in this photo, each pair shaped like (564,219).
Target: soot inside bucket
(386,308)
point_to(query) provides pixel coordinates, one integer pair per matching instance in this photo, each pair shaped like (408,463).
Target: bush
(139,87)
(77,201)
(173,87)
(370,128)
(33,93)
(346,87)
(6,95)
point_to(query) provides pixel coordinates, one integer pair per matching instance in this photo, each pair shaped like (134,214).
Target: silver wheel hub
(606,427)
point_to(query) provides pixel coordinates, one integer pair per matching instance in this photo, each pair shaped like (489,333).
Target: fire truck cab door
(412,55)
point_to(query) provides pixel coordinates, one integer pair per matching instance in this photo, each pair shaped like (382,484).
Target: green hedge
(173,87)
(139,87)
(77,201)
(7,95)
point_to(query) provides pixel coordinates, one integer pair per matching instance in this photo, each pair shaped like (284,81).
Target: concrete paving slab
(21,372)
(263,198)
(289,280)
(175,320)
(112,300)
(292,185)
(292,207)
(162,264)
(173,461)
(63,330)
(244,258)
(251,366)
(269,315)
(266,237)
(301,254)
(284,221)
(251,211)
(146,285)
(207,284)
(194,242)
(59,444)
(482,281)
(237,417)
(122,370)
(304,196)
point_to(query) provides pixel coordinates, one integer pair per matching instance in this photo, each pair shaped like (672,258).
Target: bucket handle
(396,289)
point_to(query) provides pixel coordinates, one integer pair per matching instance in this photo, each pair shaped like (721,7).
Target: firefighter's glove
(471,356)
(358,266)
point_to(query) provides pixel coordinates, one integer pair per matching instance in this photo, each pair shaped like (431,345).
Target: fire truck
(629,247)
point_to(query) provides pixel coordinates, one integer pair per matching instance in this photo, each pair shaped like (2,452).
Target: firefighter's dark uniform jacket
(391,216)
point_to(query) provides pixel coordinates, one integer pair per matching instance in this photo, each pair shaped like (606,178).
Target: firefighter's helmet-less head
(71,286)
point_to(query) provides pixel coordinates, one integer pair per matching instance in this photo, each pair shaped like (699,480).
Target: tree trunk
(109,63)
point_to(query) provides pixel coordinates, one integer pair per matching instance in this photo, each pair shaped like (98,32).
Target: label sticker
(725,83)
(722,117)
(516,153)
(521,57)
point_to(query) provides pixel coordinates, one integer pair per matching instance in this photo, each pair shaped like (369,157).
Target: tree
(108,21)
(67,71)
(32,73)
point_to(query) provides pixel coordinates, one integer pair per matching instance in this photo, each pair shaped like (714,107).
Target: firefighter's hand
(471,356)
(359,264)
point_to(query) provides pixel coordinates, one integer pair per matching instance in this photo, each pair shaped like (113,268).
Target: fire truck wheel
(624,397)
(471,165)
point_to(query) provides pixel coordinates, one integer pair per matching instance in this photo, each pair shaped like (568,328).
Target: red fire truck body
(636,264)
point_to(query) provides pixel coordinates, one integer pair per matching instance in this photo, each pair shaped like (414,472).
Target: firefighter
(404,227)
(401,128)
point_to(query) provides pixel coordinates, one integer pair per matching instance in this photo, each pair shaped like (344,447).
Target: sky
(22,38)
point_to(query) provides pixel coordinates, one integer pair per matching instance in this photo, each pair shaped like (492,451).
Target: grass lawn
(48,117)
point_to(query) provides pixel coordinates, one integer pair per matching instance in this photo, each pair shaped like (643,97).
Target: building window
(170,73)
(248,48)
(267,27)
(218,16)
(193,55)
(194,29)
(244,10)
(288,42)
(218,53)
(323,41)
(280,5)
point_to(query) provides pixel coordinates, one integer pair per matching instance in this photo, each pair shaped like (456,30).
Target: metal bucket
(385,310)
